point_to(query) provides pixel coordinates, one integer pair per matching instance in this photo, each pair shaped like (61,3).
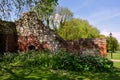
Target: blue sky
(103,14)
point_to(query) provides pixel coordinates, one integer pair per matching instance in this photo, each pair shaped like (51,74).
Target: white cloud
(105,19)
(98,19)
(114,34)
(103,15)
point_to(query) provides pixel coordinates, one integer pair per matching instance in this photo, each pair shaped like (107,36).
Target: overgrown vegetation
(73,62)
(59,60)
(50,74)
(58,66)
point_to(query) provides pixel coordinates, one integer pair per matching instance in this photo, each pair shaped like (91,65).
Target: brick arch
(31,47)
(26,43)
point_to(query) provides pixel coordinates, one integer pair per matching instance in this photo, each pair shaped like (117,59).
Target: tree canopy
(112,44)
(16,7)
(65,15)
(53,16)
(45,9)
(77,28)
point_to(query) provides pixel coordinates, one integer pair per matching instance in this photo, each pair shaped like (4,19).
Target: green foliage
(52,15)
(102,36)
(76,29)
(45,9)
(64,15)
(112,44)
(68,61)
(8,7)
(38,59)
(59,60)
(9,58)
(50,74)
(119,47)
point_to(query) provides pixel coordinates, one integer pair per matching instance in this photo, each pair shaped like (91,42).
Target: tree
(112,44)
(9,7)
(76,29)
(102,36)
(45,9)
(65,15)
(60,16)
(118,47)
(53,16)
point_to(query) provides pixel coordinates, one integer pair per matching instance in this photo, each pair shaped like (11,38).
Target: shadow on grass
(49,74)
(14,76)
(103,76)
(33,74)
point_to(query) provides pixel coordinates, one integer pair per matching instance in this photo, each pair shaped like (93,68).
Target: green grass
(117,64)
(50,74)
(115,55)
(9,70)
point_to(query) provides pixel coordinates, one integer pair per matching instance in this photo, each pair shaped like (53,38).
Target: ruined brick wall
(95,46)
(8,37)
(29,25)
(30,33)
(26,43)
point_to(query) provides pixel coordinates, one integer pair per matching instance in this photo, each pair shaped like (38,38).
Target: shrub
(59,60)
(9,57)
(40,59)
(69,61)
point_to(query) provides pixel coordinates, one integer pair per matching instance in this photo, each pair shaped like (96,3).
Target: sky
(102,14)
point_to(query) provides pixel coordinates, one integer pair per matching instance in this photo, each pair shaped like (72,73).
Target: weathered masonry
(8,37)
(30,33)
(92,46)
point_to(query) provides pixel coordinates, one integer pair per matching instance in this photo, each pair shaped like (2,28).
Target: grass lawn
(115,55)
(36,73)
(8,71)
(49,74)
(117,64)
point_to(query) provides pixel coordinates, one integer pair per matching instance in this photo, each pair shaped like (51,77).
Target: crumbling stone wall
(29,25)
(8,37)
(93,46)
(30,33)
(26,43)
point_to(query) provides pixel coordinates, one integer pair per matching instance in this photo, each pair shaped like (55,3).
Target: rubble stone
(29,33)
